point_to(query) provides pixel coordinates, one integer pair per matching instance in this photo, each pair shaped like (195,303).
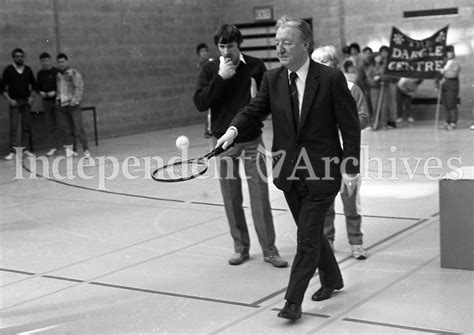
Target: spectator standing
(224,86)
(374,72)
(18,86)
(354,50)
(362,79)
(70,89)
(389,99)
(367,51)
(46,84)
(346,52)
(450,88)
(351,202)
(203,53)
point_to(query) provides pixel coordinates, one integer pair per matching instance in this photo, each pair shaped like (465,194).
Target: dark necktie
(295,106)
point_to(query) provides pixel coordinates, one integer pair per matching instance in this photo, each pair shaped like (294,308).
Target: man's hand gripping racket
(227,140)
(195,167)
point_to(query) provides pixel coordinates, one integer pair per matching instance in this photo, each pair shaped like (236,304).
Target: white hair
(328,52)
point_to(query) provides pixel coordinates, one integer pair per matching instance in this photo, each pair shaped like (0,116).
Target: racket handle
(217,151)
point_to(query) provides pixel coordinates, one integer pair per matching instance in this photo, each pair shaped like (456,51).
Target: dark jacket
(226,97)
(46,81)
(19,85)
(327,106)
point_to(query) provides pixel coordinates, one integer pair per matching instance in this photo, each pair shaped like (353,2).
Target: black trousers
(313,249)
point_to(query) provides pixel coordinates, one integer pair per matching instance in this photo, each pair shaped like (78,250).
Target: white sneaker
(358,251)
(453,125)
(472,127)
(10,156)
(51,152)
(87,154)
(399,120)
(70,152)
(411,119)
(28,153)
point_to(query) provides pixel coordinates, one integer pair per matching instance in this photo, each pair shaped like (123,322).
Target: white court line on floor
(279,301)
(40,330)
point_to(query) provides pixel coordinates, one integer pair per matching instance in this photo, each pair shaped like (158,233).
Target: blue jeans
(71,125)
(23,110)
(353,218)
(231,187)
(51,111)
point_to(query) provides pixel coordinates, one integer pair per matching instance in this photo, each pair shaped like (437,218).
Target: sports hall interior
(109,253)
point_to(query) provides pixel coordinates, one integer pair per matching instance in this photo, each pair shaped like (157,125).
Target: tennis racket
(185,170)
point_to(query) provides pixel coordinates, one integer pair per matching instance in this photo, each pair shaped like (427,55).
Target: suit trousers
(352,212)
(313,250)
(231,187)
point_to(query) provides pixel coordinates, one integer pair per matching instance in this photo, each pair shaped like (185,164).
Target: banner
(416,58)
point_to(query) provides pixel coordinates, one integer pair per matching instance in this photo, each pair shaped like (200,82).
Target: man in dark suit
(309,103)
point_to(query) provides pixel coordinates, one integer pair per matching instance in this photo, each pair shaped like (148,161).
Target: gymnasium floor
(126,255)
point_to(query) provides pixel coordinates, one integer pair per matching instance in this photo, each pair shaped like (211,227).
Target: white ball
(182,142)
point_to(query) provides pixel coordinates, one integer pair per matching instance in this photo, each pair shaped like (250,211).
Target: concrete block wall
(27,25)
(325,15)
(369,22)
(137,57)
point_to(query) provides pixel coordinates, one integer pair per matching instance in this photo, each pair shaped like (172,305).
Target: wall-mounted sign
(263,13)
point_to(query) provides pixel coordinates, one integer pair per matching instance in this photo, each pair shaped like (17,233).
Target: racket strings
(181,171)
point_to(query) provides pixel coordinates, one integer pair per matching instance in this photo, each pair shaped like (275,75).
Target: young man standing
(69,95)
(18,86)
(203,53)
(46,79)
(224,86)
(450,88)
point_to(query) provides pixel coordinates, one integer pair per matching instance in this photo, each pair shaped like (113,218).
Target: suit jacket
(327,106)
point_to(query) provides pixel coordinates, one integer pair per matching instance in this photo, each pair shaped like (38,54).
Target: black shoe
(391,124)
(325,292)
(290,311)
